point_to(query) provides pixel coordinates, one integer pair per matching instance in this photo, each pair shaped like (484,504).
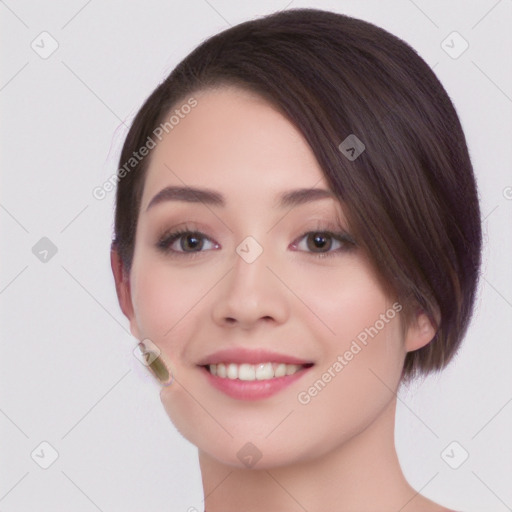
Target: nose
(251,294)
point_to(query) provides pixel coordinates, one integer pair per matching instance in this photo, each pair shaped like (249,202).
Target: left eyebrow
(211,197)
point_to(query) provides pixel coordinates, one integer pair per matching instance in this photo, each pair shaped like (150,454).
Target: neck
(363,473)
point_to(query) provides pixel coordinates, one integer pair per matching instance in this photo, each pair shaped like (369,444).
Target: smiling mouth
(253,372)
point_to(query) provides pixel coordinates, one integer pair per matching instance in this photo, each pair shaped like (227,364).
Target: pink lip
(252,390)
(250,356)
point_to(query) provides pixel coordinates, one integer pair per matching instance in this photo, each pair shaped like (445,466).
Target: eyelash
(168,238)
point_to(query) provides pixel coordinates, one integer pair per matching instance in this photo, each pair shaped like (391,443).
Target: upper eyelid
(170,237)
(177,232)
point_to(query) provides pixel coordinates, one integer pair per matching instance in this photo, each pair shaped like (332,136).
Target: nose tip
(251,293)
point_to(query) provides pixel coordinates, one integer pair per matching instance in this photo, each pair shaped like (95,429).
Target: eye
(184,242)
(324,243)
(188,242)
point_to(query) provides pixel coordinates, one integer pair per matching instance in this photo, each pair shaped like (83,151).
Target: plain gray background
(68,375)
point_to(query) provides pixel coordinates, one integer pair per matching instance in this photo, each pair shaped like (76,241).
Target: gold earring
(153,360)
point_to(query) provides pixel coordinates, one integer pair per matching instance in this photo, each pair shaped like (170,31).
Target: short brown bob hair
(410,197)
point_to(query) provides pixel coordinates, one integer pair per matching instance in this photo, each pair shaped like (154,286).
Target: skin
(336,452)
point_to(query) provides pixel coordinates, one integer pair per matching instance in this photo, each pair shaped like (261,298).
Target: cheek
(164,297)
(155,301)
(362,361)
(352,387)
(351,304)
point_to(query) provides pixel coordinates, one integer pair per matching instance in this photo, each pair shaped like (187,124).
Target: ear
(420,332)
(122,280)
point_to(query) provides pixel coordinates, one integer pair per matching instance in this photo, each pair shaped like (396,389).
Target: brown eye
(319,241)
(324,243)
(191,242)
(183,242)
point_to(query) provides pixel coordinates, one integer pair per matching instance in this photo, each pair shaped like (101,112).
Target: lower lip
(252,389)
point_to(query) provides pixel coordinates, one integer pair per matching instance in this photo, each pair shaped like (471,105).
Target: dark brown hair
(410,197)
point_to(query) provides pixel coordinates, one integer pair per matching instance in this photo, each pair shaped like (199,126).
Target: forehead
(235,141)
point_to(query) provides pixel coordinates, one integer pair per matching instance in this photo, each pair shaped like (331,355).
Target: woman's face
(255,280)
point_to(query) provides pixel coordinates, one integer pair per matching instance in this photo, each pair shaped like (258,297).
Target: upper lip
(250,356)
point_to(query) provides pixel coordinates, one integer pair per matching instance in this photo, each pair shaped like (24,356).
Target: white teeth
(221,370)
(290,370)
(232,371)
(251,372)
(280,370)
(246,372)
(264,371)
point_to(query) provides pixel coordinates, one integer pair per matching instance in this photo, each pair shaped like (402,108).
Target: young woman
(297,232)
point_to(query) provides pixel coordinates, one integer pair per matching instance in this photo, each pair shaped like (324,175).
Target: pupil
(195,242)
(319,240)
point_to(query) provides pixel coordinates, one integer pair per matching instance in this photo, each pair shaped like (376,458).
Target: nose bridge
(249,277)
(251,291)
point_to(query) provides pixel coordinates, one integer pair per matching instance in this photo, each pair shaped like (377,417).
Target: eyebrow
(210,197)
